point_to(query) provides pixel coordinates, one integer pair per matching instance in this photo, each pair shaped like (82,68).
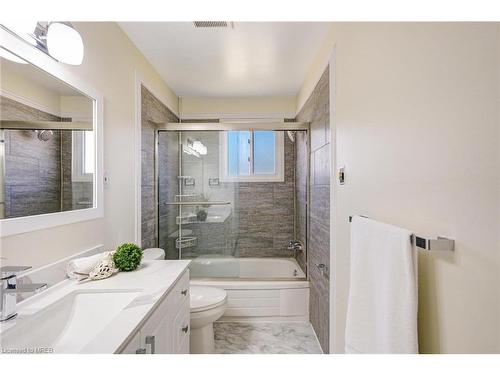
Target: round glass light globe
(64,43)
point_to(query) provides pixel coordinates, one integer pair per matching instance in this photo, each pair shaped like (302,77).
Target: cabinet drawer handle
(151,340)
(140,351)
(185,329)
(184,292)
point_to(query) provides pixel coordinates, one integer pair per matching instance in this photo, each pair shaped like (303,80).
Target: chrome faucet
(296,246)
(9,290)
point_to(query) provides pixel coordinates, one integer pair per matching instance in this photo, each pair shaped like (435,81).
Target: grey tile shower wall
(32,167)
(13,110)
(265,213)
(316,111)
(168,188)
(152,111)
(301,193)
(148,215)
(67,186)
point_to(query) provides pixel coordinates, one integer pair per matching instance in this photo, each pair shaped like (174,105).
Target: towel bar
(439,244)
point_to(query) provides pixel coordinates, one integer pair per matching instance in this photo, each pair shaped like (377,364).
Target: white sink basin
(68,324)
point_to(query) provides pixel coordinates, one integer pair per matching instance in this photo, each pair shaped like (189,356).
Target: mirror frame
(38,59)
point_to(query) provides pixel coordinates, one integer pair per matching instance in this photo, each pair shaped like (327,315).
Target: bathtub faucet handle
(296,246)
(323,269)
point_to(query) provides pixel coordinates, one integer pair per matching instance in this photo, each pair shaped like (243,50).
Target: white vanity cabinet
(166,331)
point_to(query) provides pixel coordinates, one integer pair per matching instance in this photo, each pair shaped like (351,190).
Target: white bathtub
(246,268)
(258,288)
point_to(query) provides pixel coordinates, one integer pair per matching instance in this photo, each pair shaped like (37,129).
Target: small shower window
(83,161)
(252,155)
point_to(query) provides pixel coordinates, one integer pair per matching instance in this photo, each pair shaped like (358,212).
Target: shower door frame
(237,125)
(234,126)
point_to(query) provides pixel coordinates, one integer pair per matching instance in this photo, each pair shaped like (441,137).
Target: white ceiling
(251,59)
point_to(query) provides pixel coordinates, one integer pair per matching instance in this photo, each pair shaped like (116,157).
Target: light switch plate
(341,175)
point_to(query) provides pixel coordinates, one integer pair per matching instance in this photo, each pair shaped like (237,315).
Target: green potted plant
(127,257)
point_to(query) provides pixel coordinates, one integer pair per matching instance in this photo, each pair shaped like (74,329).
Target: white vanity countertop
(152,280)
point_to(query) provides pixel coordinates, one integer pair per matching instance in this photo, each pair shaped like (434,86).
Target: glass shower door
(195,207)
(224,195)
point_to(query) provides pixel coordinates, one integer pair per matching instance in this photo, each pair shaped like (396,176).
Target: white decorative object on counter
(95,267)
(105,268)
(82,265)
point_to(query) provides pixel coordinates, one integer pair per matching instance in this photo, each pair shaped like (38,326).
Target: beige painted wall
(242,107)
(417,127)
(109,66)
(21,87)
(38,96)
(318,66)
(76,107)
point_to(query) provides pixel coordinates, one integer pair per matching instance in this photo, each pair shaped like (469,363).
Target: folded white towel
(382,303)
(84,265)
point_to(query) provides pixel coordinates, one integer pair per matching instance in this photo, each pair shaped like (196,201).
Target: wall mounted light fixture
(58,39)
(64,43)
(195,148)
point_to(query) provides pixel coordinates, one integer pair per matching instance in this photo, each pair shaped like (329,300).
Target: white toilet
(207,305)
(153,254)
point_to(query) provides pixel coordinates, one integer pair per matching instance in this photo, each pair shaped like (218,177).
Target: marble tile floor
(265,338)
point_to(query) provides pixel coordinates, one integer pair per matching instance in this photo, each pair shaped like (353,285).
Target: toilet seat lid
(153,253)
(204,297)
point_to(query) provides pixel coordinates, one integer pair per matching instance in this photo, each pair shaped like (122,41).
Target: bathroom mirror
(49,146)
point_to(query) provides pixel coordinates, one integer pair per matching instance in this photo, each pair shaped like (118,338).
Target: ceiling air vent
(213,24)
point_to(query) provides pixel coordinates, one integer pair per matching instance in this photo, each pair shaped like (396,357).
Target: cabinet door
(181,330)
(180,292)
(155,336)
(184,348)
(133,346)
(156,332)
(166,331)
